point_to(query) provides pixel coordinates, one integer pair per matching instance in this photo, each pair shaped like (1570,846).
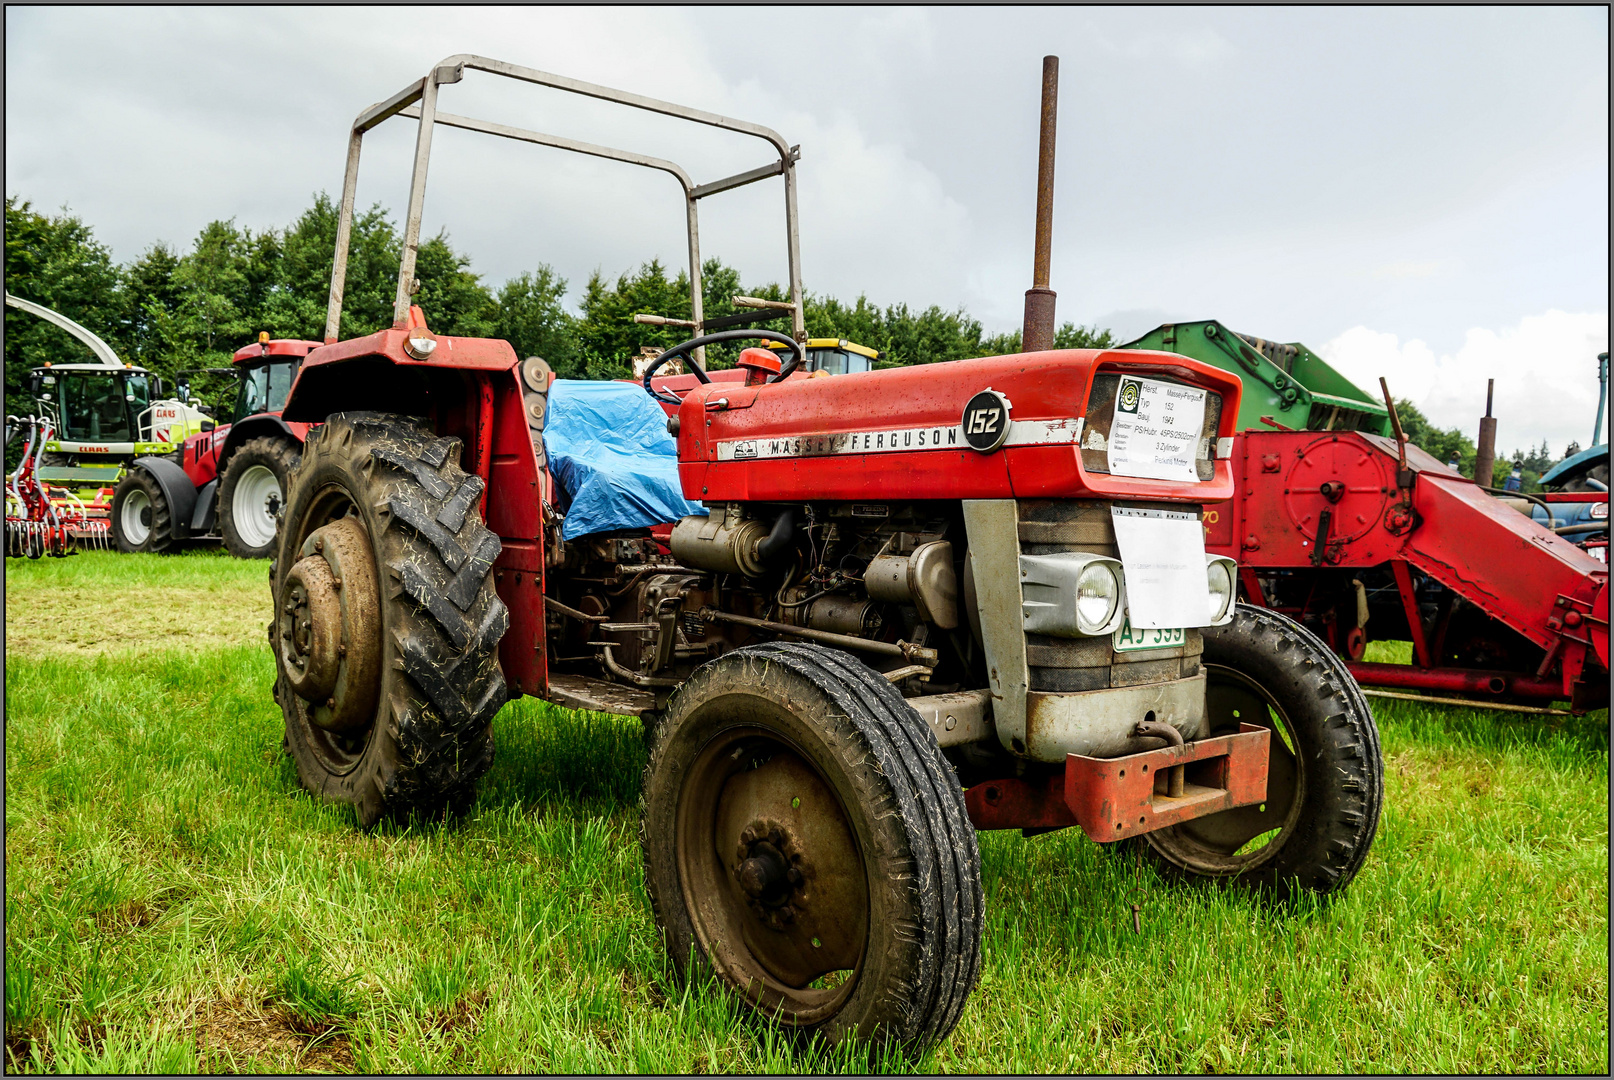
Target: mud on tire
(254,539)
(911,871)
(430,737)
(1326,778)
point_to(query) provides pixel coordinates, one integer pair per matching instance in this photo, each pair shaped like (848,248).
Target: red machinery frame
(1310,501)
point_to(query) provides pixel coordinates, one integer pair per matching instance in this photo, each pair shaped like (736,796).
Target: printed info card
(1163,556)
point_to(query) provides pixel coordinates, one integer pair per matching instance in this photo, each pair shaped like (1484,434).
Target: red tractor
(861,617)
(229,480)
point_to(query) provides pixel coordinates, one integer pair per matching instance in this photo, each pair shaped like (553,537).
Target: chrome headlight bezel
(1227,569)
(1049,589)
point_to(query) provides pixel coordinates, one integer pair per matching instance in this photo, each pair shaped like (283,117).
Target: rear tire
(252,493)
(141,519)
(417,678)
(801,758)
(1325,783)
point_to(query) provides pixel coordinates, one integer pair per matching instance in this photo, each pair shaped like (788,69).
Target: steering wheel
(676,351)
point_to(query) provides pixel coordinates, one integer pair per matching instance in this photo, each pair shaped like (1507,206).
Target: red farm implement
(1361,536)
(42,520)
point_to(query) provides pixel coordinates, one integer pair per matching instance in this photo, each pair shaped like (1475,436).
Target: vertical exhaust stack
(1602,396)
(1038,331)
(1485,456)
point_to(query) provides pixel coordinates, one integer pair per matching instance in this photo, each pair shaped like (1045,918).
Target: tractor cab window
(265,388)
(93,407)
(280,380)
(838,361)
(137,391)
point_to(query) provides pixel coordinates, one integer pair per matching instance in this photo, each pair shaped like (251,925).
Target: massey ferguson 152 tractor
(892,608)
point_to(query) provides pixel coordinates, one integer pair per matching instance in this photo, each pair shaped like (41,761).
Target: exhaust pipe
(1037,332)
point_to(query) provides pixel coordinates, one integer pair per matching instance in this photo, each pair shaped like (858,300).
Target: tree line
(171,310)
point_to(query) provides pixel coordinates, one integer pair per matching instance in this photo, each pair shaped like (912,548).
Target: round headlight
(1220,579)
(1098,591)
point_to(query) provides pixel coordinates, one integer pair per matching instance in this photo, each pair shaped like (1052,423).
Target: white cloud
(1545,370)
(1408,269)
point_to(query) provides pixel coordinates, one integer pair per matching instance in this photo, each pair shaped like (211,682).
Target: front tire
(805,840)
(251,494)
(1325,784)
(387,627)
(141,519)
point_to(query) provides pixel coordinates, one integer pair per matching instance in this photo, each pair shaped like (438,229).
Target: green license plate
(1130,640)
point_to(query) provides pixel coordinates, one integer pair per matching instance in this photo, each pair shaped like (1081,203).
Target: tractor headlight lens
(1098,591)
(1219,576)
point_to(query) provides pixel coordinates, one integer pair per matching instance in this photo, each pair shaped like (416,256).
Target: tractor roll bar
(418,101)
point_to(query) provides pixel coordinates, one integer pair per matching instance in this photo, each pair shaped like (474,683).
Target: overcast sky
(1415,193)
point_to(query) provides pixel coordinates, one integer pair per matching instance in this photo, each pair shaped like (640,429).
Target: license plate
(1129,640)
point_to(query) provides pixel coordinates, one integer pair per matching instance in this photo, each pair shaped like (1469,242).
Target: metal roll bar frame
(418,101)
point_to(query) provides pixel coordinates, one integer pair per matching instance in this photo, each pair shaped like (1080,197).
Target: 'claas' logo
(1129,396)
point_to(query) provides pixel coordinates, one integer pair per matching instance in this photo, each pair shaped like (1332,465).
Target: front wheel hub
(328,627)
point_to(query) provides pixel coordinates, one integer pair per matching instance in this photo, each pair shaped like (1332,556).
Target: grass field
(175,902)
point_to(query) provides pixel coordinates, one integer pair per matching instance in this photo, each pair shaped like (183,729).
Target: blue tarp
(609,449)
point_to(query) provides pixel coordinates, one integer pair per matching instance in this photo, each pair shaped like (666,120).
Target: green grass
(175,902)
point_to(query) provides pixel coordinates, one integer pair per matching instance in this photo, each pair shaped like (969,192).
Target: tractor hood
(1033,425)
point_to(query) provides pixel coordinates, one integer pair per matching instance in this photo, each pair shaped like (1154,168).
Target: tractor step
(597,695)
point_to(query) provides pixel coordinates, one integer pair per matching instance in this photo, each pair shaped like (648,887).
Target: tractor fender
(176,487)
(253,427)
(204,518)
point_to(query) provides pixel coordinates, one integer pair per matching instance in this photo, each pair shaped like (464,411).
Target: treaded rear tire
(160,540)
(431,737)
(279,456)
(1336,749)
(901,801)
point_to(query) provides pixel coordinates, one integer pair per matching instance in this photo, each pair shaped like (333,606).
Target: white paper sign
(1163,557)
(1155,433)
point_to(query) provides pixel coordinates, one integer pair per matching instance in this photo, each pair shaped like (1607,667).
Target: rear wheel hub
(328,627)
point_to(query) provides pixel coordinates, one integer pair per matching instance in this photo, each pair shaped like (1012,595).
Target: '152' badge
(986,421)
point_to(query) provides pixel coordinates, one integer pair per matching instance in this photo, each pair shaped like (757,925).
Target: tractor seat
(611,456)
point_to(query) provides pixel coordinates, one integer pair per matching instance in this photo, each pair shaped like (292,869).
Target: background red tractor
(229,481)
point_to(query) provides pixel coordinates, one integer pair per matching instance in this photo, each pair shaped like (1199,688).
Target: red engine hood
(883,435)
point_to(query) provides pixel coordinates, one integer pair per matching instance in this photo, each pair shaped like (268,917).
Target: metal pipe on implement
(1485,457)
(1037,332)
(1458,680)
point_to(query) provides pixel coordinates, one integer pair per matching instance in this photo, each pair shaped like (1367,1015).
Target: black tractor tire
(141,519)
(249,530)
(1325,782)
(788,747)
(431,623)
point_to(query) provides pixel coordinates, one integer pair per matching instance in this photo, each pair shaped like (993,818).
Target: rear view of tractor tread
(923,940)
(251,493)
(1264,660)
(431,739)
(141,518)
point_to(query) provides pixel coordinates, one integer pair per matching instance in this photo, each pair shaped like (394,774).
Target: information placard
(1163,556)
(1155,433)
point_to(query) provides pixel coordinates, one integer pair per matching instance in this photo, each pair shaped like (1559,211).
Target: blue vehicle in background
(1574,502)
